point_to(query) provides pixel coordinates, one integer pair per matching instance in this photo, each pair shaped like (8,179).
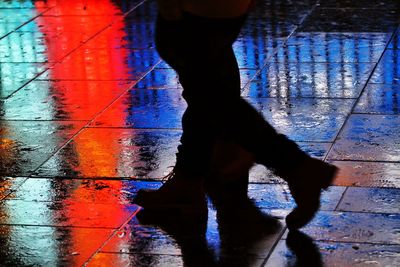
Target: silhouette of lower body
(200,51)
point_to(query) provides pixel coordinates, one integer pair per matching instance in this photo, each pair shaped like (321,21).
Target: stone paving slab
(305,79)
(90,114)
(66,213)
(368,138)
(336,254)
(71,106)
(127,153)
(30,143)
(379,200)
(49,246)
(379,99)
(135,260)
(357,227)
(368,174)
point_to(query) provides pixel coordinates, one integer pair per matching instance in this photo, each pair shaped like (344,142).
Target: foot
(306,183)
(178,196)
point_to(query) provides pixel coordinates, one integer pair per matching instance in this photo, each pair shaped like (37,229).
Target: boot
(178,196)
(306,183)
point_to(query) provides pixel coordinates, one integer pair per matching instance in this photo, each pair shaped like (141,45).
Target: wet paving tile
(68,24)
(163,77)
(8,28)
(313,64)
(136,238)
(305,119)
(23,47)
(23,4)
(145,13)
(15,75)
(133,35)
(246,75)
(387,70)
(48,246)
(26,145)
(254,52)
(332,47)
(165,240)
(62,100)
(350,20)
(283,5)
(87,8)
(145,109)
(368,137)
(160,79)
(135,260)
(381,200)
(65,213)
(267,27)
(144,260)
(321,54)
(272,196)
(9,184)
(115,153)
(17,15)
(76,190)
(379,99)
(103,65)
(375,4)
(368,174)
(390,58)
(331,254)
(352,41)
(370,228)
(295,79)
(395,42)
(284,12)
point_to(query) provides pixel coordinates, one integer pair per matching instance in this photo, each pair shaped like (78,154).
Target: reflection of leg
(189,234)
(307,253)
(243,230)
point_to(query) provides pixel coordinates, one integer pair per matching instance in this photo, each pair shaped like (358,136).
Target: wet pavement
(90,114)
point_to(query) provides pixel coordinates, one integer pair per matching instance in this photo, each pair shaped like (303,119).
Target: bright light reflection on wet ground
(89,114)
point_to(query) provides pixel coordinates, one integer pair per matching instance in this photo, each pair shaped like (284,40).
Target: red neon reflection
(95,60)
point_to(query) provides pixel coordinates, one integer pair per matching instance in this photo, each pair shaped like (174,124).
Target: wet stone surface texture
(90,114)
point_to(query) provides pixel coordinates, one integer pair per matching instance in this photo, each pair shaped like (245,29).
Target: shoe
(306,183)
(303,247)
(178,196)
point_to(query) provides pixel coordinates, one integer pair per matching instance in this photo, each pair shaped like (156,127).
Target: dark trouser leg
(200,50)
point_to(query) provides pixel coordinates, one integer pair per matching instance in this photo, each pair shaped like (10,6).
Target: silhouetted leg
(200,50)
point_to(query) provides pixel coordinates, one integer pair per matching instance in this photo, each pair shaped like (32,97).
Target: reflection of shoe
(307,253)
(244,231)
(178,196)
(189,234)
(305,184)
(246,219)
